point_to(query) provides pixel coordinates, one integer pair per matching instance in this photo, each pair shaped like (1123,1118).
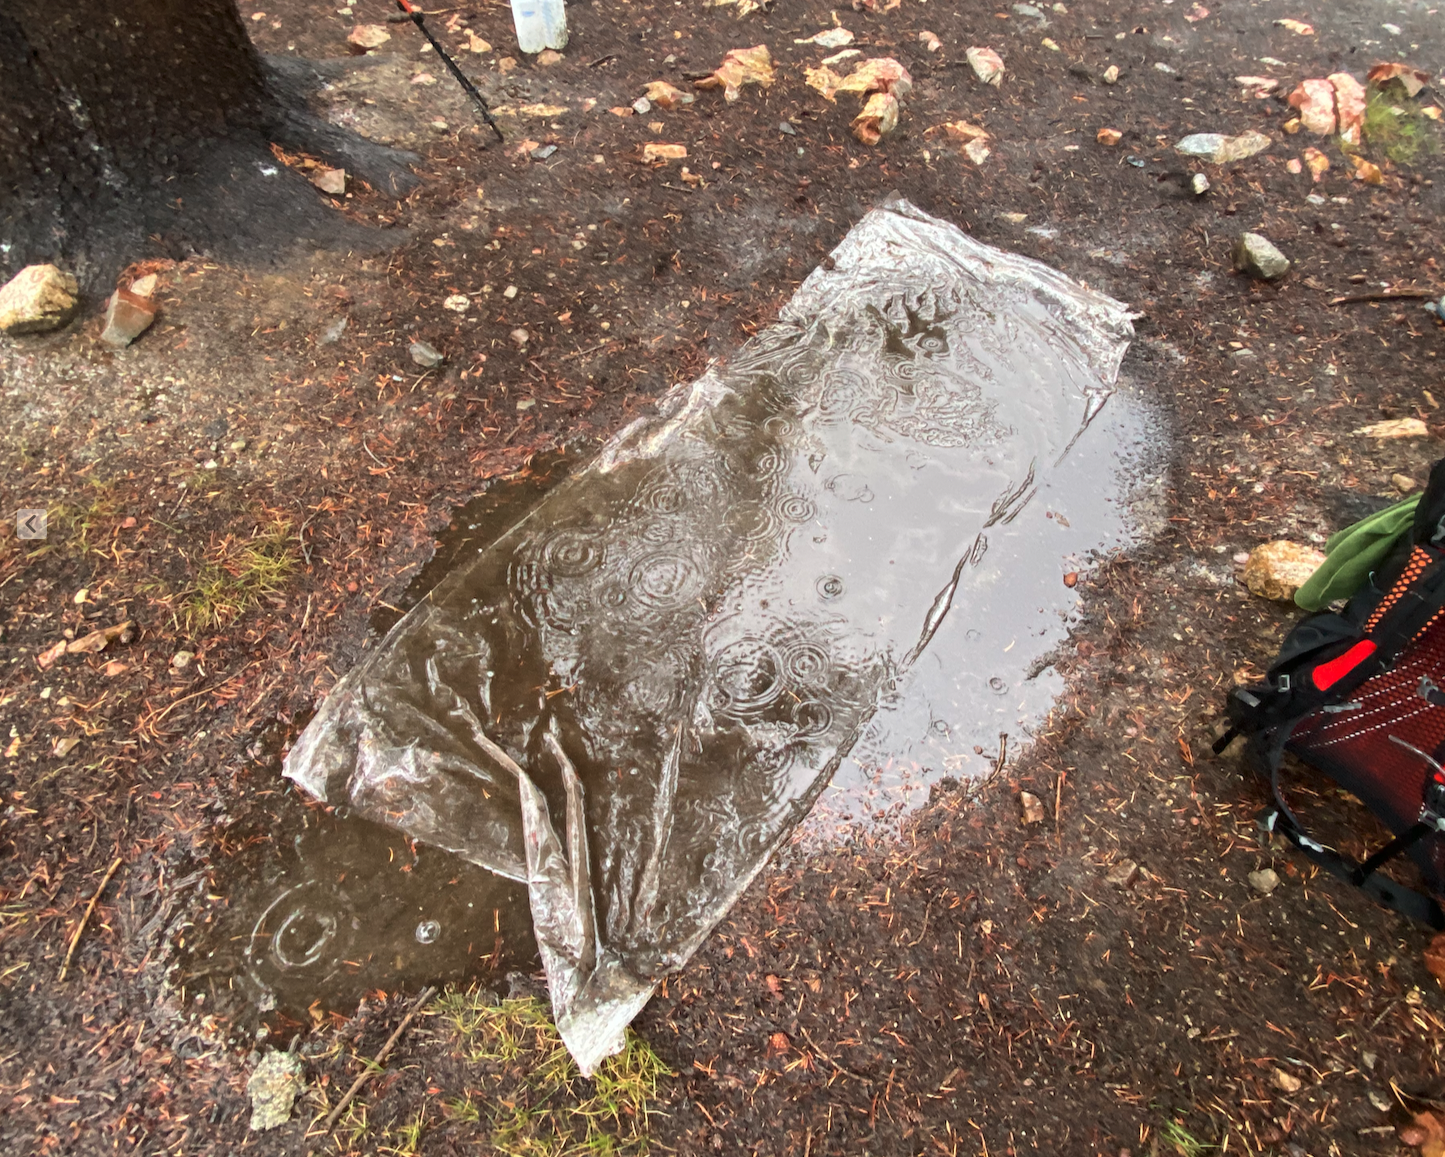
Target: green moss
(236,576)
(1184,1142)
(539,1104)
(75,527)
(1395,126)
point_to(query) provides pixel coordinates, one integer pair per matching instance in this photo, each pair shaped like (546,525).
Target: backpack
(1359,694)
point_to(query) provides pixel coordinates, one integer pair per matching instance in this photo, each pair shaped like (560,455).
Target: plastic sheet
(635,694)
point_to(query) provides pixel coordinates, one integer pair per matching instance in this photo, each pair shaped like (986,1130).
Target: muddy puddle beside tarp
(823,576)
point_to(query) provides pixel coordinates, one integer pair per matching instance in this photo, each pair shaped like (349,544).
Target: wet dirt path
(956,982)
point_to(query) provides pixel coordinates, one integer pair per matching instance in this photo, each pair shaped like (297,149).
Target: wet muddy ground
(950,979)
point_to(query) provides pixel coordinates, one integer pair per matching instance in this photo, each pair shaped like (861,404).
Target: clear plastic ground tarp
(633,696)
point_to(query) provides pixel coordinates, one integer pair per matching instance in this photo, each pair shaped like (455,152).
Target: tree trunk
(128,128)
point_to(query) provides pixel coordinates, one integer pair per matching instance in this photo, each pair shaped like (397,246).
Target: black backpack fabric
(1360,695)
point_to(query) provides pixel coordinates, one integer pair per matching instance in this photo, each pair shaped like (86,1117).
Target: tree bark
(128,128)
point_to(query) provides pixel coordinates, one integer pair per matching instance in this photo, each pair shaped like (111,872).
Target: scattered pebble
(1396,428)
(1276,570)
(986,65)
(1257,256)
(331,181)
(1286,1082)
(365,37)
(510,292)
(1123,874)
(38,298)
(1033,807)
(1264,881)
(665,96)
(832,38)
(1220,149)
(127,316)
(657,151)
(520,336)
(331,334)
(458,303)
(273,1088)
(426,355)
(182,659)
(1111,74)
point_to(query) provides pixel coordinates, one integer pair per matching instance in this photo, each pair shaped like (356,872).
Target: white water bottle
(540,24)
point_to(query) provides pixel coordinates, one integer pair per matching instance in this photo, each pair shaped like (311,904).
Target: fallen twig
(331,1120)
(1387,295)
(89,908)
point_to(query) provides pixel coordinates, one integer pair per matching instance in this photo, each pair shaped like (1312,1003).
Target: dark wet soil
(961,983)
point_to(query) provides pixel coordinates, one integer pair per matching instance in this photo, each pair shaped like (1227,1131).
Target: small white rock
(1264,881)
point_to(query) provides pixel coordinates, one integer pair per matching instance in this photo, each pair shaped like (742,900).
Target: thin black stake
(417,18)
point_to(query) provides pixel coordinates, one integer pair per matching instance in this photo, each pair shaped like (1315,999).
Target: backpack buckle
(1432,812)
(1432,807)
(1430,692)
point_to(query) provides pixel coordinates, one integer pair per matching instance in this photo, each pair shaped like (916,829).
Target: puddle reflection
(836,561)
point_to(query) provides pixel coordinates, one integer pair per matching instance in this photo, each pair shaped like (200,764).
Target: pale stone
(127,316)
(331,181)
(1259,258)
(368,36)
(38,298)
(1219,149)
(1396,428)
(1264,881)
(426,355)
(1278,569)
(1123,874)
(657,151)
(273,1088)
(878,118)
(1286,1082)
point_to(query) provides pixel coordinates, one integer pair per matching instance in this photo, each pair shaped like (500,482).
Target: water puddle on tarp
(816,581)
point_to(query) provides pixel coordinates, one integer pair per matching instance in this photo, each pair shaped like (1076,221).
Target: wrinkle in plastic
(632,697)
